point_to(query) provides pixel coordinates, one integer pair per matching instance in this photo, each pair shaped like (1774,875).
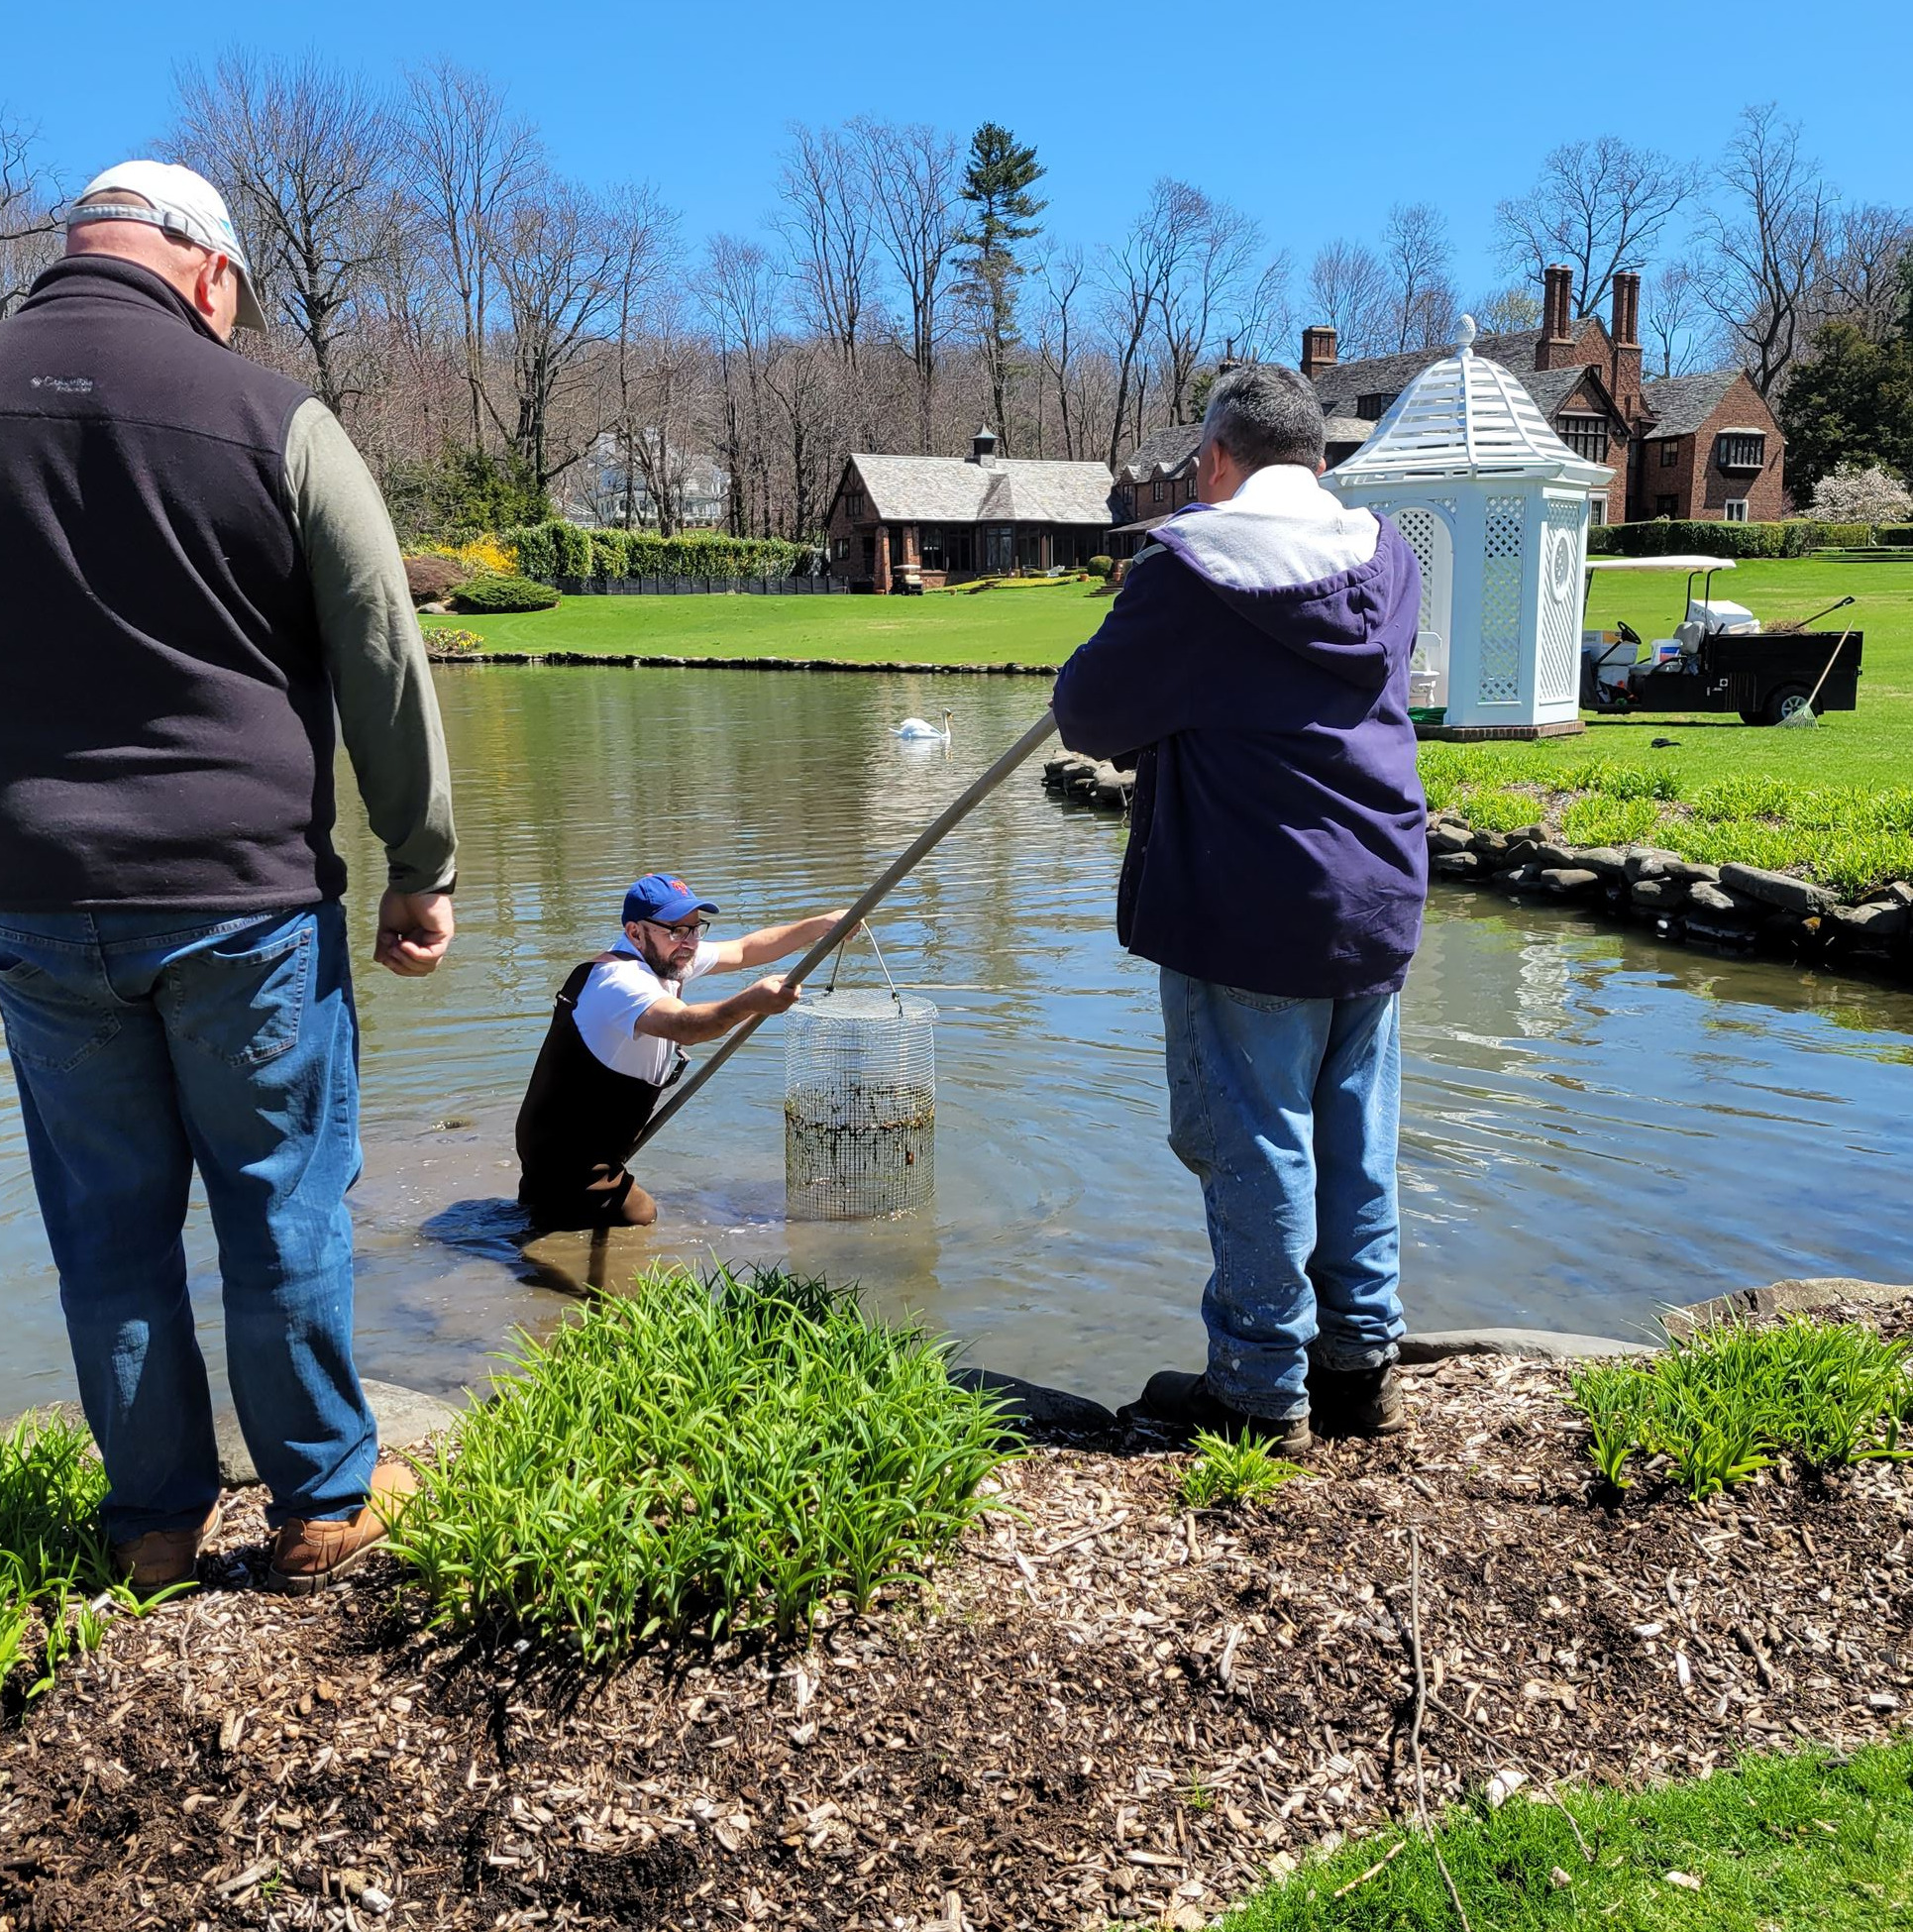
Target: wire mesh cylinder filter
(859,1105)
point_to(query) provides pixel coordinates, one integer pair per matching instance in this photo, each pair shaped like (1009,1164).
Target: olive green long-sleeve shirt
(374,654)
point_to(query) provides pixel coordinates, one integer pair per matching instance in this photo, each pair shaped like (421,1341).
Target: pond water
(1594,1127)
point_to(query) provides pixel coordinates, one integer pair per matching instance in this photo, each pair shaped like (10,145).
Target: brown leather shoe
(163,1558)
(1358,1401)
(309,1552)
(1182,1404)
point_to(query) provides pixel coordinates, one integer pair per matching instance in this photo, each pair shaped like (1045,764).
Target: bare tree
(1265,320)
(1861,276)
(737,287)
(559,263)
(1209,251)
(913,182)
(29,217)
(825,218)
(1599,205)
(1134,277)
(306,153)
(1767,244)
(469,159)
(1063,279)
(1348,292)
(1674,306)
(1416,252)
(641,236)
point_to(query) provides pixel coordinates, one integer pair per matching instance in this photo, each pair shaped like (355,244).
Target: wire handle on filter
(836,963)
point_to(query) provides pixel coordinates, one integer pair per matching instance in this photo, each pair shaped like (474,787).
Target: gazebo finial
(1464,337)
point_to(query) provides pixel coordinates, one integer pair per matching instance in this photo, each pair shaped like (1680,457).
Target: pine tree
(996,184)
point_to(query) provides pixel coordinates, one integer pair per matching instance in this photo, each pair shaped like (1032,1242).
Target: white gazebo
(1496,509)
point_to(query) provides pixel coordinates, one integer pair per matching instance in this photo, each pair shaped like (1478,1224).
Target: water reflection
(1593,1126)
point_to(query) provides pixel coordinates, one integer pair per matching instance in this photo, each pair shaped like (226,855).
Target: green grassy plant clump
(1852,839)
(1780,1841)
(1728,1400)
(1225,1473)
(55,1563)
(701,1458)
(503,594)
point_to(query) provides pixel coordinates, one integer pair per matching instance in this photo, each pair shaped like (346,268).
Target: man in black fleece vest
(199,570)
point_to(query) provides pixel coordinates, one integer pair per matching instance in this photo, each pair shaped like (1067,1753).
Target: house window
(1670,451)
(896,545)
(1733,510)
(1372,408)
(960,546)
(999,549)
(841,550)
(854,506)
(1740,448)
(1666,507)
(1586,436)
(930,547)
(1156,491)
(1597,507)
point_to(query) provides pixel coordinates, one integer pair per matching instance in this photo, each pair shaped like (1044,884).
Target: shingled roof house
(1691,446)
(938,519)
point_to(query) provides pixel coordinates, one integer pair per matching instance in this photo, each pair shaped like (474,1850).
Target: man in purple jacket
(1254,667)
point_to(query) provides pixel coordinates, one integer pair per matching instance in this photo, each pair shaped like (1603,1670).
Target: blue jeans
(1288,1111)
(143,1044)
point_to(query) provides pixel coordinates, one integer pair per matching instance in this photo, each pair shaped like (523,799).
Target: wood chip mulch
(1104,1708)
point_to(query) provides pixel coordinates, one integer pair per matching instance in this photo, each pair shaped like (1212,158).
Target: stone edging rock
(1737,906)
(628,660)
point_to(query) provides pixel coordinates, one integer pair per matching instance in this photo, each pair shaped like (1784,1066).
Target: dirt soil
(1104,1707)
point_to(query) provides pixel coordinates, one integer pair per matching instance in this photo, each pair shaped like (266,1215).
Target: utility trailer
(1719,659)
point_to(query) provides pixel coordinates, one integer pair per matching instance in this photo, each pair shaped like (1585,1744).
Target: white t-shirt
(615,992)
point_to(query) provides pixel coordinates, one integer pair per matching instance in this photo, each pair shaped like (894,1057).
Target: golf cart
(1719,659)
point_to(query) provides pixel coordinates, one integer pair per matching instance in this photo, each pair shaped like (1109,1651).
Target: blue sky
(1314,119)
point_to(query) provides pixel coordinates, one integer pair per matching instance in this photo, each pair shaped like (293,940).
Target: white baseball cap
(183,203)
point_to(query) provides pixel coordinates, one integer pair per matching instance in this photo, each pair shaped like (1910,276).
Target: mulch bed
(1104,1708)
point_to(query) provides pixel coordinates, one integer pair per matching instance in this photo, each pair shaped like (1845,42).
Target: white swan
(916,727)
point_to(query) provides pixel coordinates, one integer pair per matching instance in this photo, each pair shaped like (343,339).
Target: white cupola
(1496,509)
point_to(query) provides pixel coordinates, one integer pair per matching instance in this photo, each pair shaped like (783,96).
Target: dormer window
(1373,407)
(1155,489)
(1586,436)
(1740,448)
(854,506)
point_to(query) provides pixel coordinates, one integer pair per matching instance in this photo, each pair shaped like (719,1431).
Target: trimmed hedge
(1797,537)
(557,549)
(492,595)
(1895,536)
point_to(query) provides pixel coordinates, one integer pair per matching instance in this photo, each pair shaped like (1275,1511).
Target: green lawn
(1777,1845)
(1037,624)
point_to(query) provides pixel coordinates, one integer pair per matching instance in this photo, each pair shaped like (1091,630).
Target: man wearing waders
(617,1043)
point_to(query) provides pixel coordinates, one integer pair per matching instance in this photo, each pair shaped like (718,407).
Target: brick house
(1712,451)
(931,520)
(1700,446)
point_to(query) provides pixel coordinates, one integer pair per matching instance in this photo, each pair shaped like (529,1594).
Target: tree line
(499,336)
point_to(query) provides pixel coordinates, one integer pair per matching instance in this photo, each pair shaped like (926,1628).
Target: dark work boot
(1358,1401)
(1181,1404)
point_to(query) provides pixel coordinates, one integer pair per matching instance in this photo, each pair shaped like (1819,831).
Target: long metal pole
(893,875)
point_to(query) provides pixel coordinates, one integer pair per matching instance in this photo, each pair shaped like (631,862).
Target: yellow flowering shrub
(482,557)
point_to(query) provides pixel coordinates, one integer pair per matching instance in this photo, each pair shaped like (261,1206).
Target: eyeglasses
(691,929)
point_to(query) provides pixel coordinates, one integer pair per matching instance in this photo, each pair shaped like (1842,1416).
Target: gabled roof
(1004,490)
(1467,416)
(1165,450)
(1680,405)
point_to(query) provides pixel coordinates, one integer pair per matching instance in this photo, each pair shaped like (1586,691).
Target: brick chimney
(1317,352)
(1556,345)
(1625,334)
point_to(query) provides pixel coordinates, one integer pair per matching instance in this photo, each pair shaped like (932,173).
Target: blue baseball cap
(661,898)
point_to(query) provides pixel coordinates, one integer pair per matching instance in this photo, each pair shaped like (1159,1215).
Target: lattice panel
(1501,566)
(1417,532)
(1557,679)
